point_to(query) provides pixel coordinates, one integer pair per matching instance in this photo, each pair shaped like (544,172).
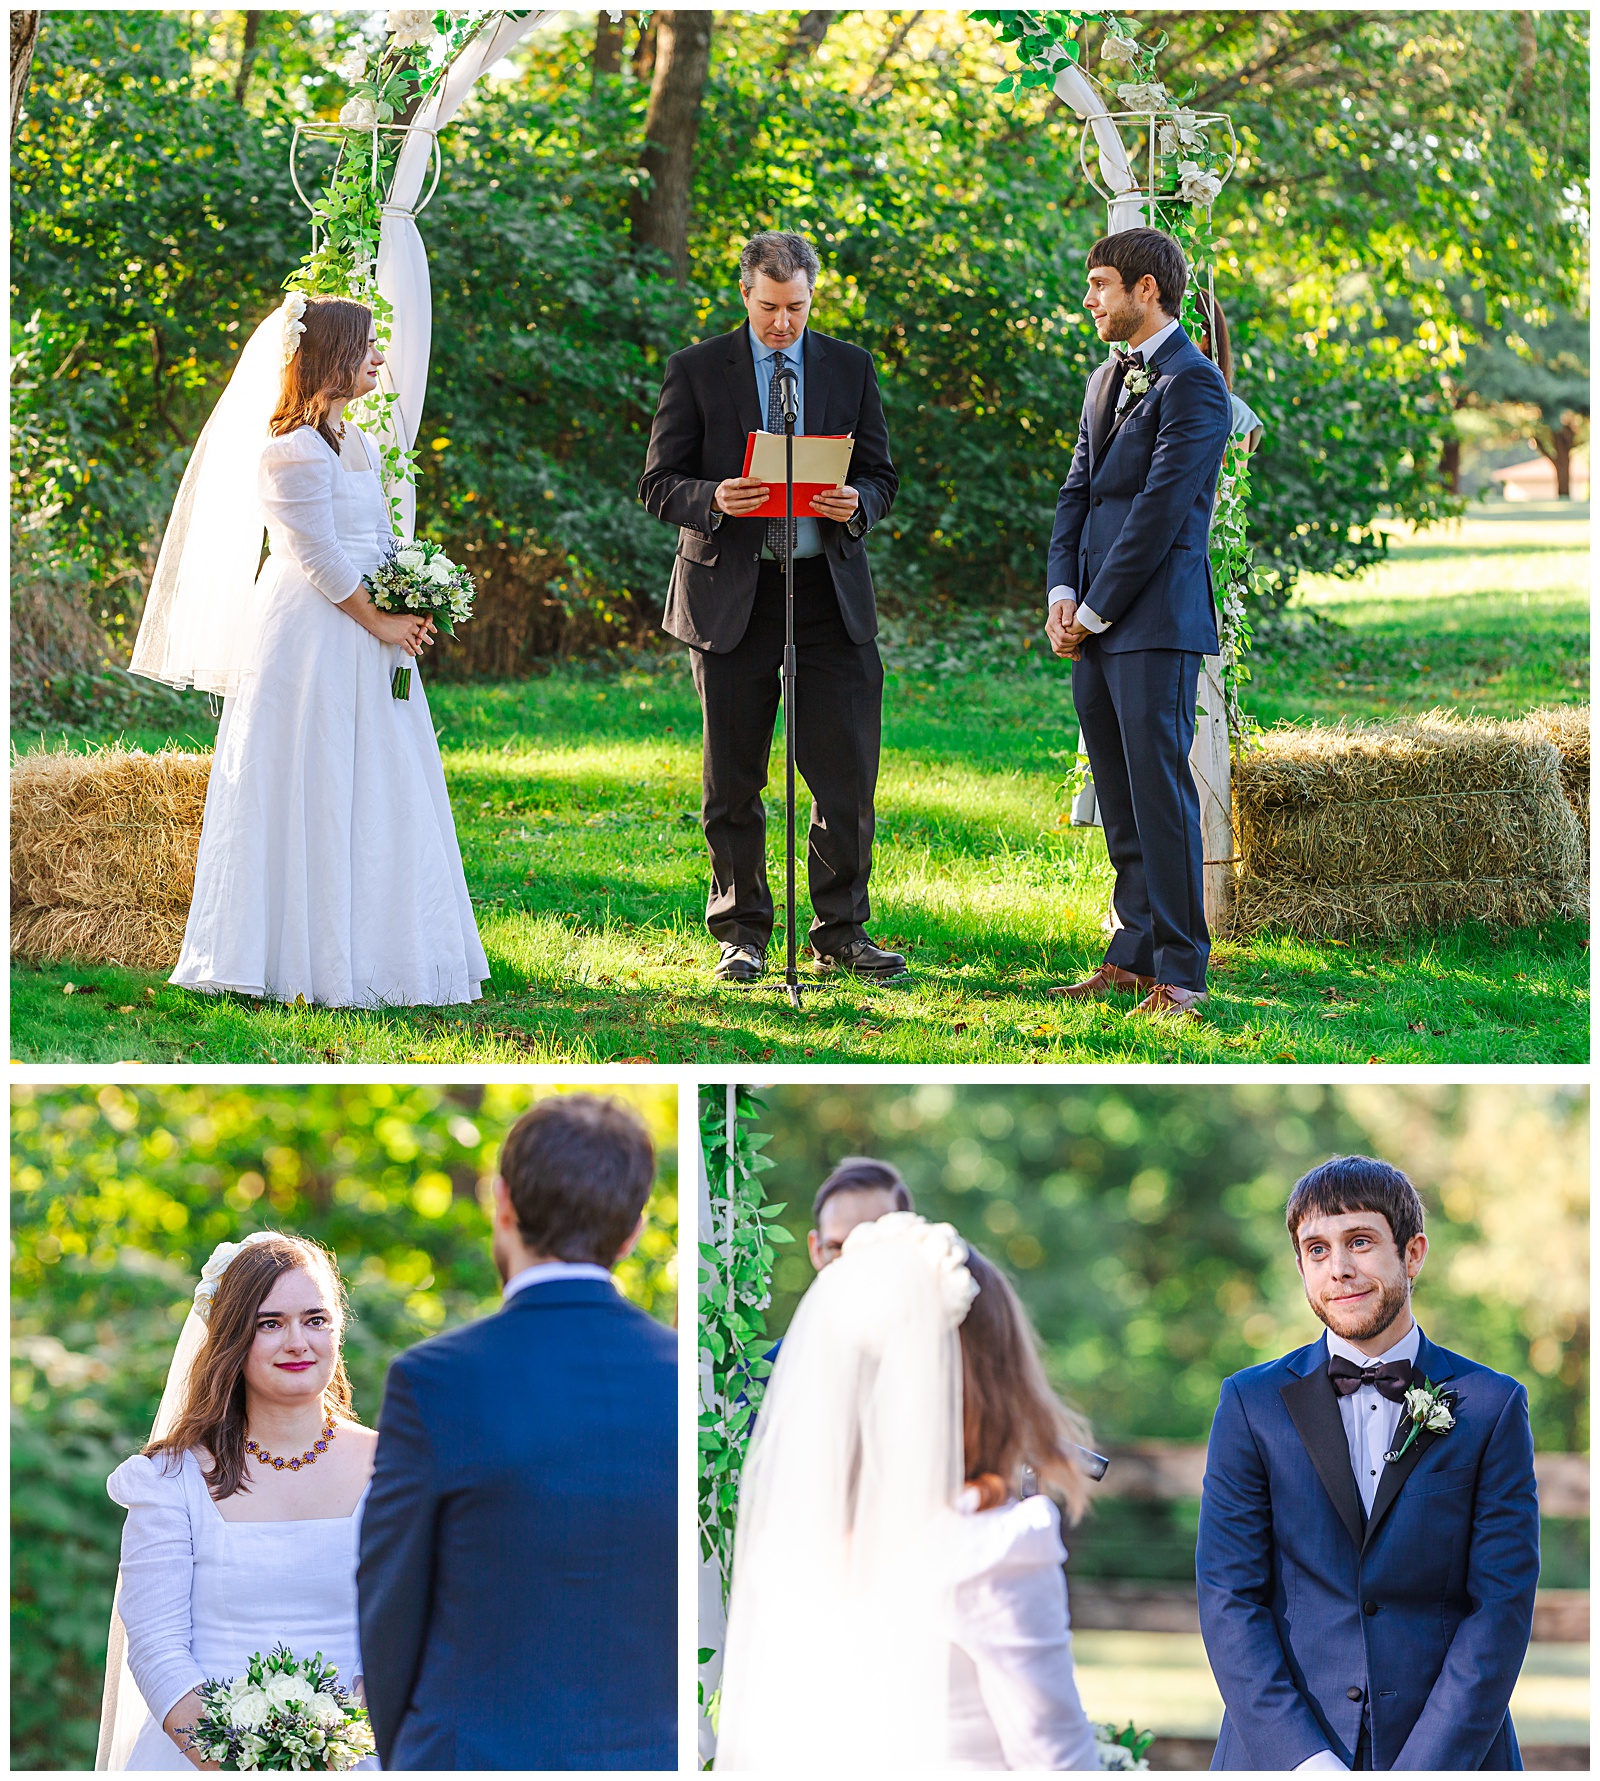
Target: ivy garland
(735,1290)
(1186,162)
(388,83)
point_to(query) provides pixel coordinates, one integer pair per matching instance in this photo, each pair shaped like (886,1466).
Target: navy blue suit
(519,1577)
(1320,1619)
(1131,539)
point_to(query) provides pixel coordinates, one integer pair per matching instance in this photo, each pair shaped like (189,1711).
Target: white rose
(1190,131)
(1439,1419)
(354,64)
(359,113)
(284,1691)
(1195,185)
(1144,96)
(410,560)
(1116,48)
(440,572)
(409,27)
(248,1707)
(327,1710)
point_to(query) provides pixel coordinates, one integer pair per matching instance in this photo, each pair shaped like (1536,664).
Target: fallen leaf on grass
(959,1027)
(71,989)
(149,995)
(126,1009)
(636,1060)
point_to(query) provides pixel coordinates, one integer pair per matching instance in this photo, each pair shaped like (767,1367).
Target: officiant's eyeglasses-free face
(777,311)
(296,1340)
(1355,1277)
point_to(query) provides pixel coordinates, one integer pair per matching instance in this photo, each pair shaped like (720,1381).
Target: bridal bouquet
(281,1714)
(418,577)
(1124,1748)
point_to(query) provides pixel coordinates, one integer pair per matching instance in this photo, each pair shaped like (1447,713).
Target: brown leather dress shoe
(1107,981)
(1166,1001)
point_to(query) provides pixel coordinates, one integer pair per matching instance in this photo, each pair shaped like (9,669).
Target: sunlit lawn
(576,800)
(1163,1683)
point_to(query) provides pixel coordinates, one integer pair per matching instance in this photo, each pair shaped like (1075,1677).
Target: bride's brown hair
(1010,1417)
(212,1417)
(323,371)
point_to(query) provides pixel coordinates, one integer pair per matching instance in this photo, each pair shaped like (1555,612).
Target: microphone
(789,392)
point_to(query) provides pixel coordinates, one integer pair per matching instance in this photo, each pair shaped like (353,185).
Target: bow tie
(1130,360)
(1391,1380)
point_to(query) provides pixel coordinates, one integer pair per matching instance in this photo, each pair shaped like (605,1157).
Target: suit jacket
(1417,1615)
(707,410)
(1132,531)
(518,1577)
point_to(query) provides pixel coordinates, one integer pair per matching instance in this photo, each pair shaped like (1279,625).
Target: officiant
(726,602)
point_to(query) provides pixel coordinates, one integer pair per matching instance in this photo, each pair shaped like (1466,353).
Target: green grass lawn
(576,799)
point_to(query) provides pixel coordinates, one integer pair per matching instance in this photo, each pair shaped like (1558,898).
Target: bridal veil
(838,1641)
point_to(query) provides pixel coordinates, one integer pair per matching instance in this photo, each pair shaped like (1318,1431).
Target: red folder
(806,455)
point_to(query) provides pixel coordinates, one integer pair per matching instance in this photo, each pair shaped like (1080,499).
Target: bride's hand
(186,1713)
(411,633)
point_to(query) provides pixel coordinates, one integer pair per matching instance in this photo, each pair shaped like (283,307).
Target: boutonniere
(1139,379)
(1430,1407)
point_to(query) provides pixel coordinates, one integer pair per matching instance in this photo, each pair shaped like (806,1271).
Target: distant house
(1535,480)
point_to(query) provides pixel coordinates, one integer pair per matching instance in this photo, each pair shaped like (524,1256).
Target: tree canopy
(1397,169)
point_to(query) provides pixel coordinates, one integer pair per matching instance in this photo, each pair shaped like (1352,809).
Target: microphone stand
(789,396)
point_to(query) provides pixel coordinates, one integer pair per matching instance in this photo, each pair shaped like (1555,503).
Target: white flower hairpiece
(939,1243)
(294,308)
(206,1290)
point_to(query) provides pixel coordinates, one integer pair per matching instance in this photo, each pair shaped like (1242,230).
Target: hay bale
(1566,727)
(1373,830)
(102,854)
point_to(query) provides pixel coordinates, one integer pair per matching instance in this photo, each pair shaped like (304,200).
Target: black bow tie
(1391,1380)
(1130,360)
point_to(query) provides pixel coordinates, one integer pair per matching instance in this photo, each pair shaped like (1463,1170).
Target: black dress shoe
(862,959)
(738,964)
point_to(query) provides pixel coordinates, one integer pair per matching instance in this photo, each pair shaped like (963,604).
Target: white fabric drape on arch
(403,260)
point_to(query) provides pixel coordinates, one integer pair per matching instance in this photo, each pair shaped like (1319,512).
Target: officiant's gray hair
(780,256)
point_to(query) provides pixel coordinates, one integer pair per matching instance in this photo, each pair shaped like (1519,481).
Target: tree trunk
(805,43)
(247,56)
(1562,440)
(607,58)
(24,40)
(644,50)
(1450,465)
(672,124)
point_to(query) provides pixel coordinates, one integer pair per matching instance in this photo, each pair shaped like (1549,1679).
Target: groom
(1131,605)
(518,1578)
(1366,1583)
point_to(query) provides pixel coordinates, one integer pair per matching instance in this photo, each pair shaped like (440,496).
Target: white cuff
(1324,1759)
(1092,621)
(1059,593)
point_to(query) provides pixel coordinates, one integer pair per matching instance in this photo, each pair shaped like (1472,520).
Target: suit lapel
(815,407)
(1432,1364)
(1313,1406)
(1168,347)
(741,374)
(1100,418)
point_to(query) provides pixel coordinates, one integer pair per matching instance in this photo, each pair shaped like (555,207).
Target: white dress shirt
(1092,621)
(1370,1422)
(542,1271)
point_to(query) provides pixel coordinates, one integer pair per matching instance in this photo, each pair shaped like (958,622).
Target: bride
(328,864)
(897,1603)
(244,1509)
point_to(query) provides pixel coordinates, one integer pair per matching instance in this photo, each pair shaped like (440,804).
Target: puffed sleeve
(296,489)
(1014,1626)
(157,1580)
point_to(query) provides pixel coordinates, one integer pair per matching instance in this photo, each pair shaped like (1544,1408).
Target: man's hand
(839,503)
(739,496)
(1065,634)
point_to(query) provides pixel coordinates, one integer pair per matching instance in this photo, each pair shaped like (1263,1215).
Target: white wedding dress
(1013,1698)
(200,1595)
(328,864)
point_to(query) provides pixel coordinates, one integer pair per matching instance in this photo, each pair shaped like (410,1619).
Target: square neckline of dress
(281,1521)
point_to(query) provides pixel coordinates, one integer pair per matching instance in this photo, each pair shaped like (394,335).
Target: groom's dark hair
(579,1170)
(1356,1184)
(1134,252)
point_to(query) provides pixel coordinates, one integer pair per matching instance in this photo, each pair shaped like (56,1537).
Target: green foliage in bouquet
(281,1714)
(419,577)
(1124,1748)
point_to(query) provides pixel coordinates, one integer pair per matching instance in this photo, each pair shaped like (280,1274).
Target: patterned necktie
(1391,1380)
(775,424)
